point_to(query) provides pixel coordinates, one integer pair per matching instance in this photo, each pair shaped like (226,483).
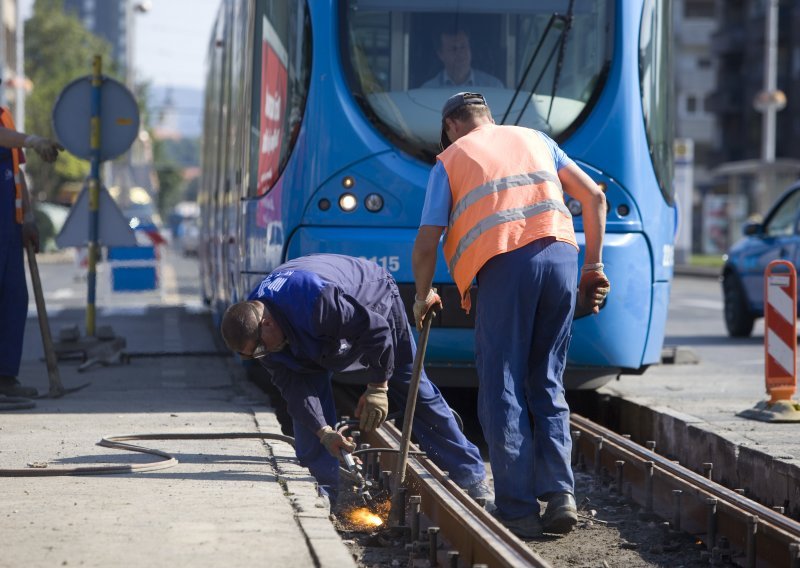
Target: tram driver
(455,53)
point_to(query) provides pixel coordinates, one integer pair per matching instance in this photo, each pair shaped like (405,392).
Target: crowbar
(399,477)
(56,388)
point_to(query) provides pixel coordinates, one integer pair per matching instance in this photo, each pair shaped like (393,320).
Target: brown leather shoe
(10,386)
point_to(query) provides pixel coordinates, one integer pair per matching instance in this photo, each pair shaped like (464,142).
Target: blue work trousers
(526,298)
(13,290)
(435,429)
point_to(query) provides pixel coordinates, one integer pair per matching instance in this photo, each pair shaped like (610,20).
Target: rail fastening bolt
(598,447)
(650,445)
(708,467)
(711,527)
(452,558)
(415,502)
(648,486)
(676,509)
(576,436)
(752,529)
(794,555)
(620,464)
(433,540)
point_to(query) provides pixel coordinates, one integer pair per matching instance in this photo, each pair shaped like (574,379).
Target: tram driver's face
(455,54)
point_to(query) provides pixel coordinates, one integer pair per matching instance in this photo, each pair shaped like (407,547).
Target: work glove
(592,291)
(423,307)
(334,442)
(30,233)
(373,407)
(47,149)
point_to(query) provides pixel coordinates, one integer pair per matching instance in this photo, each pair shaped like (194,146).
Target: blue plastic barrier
(133,269)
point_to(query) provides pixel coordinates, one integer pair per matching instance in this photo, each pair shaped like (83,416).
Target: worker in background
(322,314)
(498,190)
(17,229)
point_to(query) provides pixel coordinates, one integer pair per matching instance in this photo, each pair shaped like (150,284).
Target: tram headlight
(574,207)
(348,202)
(373,202)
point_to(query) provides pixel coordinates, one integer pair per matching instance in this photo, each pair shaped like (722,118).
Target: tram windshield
(536,66)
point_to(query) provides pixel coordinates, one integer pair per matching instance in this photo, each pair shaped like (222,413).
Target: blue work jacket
(336,313)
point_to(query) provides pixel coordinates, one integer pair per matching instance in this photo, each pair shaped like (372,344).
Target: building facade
(113,20)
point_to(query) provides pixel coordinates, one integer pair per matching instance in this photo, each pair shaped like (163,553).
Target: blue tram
(322,121)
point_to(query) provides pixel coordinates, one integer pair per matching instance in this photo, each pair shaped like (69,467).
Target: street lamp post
(769,101)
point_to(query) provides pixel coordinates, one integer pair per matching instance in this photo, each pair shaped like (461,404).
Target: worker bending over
(499,192)
(322,314)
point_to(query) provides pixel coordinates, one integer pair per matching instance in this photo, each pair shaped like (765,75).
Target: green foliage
(58,50)
(170,177)
(184,151)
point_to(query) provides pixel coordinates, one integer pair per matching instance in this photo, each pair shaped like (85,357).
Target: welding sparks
(364,518)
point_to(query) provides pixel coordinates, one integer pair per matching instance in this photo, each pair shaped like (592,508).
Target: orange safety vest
(7,122)
(506,194)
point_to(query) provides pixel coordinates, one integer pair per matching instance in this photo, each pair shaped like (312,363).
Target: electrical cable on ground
(118,442)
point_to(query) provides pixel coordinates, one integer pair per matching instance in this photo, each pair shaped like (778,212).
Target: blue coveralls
(13,290)
(522,332)
(344,314)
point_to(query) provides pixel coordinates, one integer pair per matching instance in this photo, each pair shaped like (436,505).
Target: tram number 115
(390,263)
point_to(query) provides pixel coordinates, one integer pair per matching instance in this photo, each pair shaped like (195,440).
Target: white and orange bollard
(780,345)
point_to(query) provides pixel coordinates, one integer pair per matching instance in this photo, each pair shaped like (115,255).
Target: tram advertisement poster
(273,90)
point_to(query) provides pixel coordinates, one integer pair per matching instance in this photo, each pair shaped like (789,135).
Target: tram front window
(404,58)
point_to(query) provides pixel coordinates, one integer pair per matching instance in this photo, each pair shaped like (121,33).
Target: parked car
(776,237)
(190,237)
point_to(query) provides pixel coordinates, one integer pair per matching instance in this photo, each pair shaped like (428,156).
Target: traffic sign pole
(94,194)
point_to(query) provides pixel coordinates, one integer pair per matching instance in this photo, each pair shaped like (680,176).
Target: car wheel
(738,318)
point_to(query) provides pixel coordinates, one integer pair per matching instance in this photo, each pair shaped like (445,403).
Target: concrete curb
(312,512)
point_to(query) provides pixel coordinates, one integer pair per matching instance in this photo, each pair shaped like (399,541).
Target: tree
(58,50)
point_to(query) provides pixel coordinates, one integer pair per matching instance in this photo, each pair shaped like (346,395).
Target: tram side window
(280,75)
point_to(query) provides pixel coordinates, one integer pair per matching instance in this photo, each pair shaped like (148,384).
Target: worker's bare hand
(592,291)
(373,407)
(47,149)
(334,442)
(423,307)
(30,234)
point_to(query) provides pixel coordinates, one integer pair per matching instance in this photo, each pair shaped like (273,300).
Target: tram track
(731,527)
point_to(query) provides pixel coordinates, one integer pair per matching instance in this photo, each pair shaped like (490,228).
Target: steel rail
(761,535)
(477,536)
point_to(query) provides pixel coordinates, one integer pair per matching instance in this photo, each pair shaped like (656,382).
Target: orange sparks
(363,518)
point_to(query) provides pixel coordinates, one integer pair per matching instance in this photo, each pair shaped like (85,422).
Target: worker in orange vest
(499,192)
(17,229)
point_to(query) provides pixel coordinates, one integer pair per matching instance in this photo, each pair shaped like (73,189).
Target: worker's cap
(453,104)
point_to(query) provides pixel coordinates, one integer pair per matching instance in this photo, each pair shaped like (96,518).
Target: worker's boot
(9,386)
(561,513)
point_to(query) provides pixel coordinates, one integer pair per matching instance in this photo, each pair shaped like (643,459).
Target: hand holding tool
(423,307)
(334,442)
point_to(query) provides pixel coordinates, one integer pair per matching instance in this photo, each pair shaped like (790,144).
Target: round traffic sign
(119,118)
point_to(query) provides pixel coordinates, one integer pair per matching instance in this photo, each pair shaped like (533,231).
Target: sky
(171,40)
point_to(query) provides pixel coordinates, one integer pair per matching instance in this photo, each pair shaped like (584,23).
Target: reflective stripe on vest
(7,122)
(497,209)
